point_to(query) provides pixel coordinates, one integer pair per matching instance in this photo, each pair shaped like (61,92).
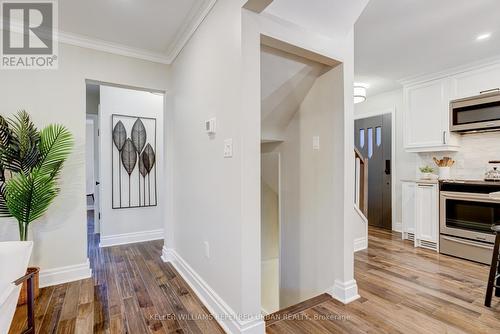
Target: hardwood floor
(403,290)
(131,291)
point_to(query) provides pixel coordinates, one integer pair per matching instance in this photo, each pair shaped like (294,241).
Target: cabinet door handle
(444,137)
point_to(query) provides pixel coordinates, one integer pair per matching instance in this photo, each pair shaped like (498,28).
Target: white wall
(218,74)
(405,162)
(59,96)
(145,222)
(207,187)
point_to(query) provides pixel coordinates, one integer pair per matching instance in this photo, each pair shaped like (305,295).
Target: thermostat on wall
(210,126)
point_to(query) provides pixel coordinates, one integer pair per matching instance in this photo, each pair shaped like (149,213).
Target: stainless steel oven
(467,212)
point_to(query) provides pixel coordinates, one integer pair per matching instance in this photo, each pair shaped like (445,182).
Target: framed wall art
(134,160)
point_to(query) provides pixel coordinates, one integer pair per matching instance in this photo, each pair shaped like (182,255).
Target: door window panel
(378,135)
(370,142)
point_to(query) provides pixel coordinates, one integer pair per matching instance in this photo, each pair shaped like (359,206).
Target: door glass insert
(378,135)
(362,138)
(370,142)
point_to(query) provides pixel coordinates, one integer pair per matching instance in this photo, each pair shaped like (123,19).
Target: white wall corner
(65,274)
(398,227)
(129,238)
(345,292)
(225,316)
(360,244)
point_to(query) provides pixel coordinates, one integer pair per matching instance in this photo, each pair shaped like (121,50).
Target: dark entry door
(373,140)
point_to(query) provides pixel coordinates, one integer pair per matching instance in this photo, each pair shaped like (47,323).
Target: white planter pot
(426,176)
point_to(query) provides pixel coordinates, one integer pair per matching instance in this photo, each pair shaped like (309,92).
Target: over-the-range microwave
(477,113)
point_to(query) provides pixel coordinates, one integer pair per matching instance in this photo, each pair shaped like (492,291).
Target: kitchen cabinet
(471,83)
(420,213)
(408,210)
(427,126)
(426,215)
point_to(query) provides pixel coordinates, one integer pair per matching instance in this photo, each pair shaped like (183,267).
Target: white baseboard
(221,311)
(345,292)
(398,227)
(129,238)
(360,244)
(66,274)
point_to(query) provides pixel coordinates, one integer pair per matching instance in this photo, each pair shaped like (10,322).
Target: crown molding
(188,29)
(185,32)
(450,71)
(114,48)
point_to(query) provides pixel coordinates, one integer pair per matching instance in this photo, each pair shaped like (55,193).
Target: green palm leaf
(33,160)
(19,140)
(28,197)
(56,143)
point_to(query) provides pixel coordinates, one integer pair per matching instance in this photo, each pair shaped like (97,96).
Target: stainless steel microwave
(477,113)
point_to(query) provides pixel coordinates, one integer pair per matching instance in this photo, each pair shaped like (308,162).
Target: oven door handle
(468,243)
(495,195)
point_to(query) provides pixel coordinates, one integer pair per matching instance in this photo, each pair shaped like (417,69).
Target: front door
(373,140)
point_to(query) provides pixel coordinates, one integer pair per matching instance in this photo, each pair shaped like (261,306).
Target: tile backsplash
(471,161)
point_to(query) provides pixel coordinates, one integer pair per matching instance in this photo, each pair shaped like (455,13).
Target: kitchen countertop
(426,181)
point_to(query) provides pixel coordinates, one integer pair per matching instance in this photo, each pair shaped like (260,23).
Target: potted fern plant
(30,164)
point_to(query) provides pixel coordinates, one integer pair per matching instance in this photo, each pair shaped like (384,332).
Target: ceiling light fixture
(483,37)
(359,92)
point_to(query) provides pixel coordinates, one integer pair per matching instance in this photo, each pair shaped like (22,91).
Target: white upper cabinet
(426,117)
(474,82)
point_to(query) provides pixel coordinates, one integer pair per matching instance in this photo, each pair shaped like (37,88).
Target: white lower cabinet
(408,210)
(421,213)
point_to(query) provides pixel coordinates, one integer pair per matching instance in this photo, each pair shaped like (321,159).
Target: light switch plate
(210,126)
(228,148)
(315,142)
(207,249)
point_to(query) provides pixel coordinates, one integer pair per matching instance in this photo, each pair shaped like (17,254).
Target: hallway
(131,291)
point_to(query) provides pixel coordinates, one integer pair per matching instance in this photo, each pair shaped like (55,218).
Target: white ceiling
(150,29)
(396,40)
(327,17)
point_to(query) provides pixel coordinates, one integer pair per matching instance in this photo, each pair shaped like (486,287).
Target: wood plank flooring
(132,291)
(403,290)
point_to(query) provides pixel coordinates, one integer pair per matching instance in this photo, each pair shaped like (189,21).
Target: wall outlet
(228,148)
(207,249)
(315,142)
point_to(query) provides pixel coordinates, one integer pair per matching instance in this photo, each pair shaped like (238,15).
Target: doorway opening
(373,140)
(125,141)
(92,167)
(302,108)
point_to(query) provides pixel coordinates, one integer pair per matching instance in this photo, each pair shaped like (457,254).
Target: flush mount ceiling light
(359,92)
(483,37)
